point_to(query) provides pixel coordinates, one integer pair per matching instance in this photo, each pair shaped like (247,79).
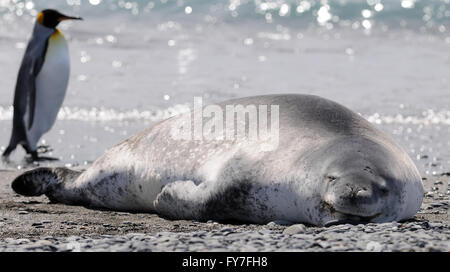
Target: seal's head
(358,195)
(362,182)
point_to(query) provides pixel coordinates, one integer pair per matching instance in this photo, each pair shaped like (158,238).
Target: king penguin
(41,83)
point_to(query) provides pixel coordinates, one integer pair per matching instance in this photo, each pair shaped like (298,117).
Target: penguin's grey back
(25,91)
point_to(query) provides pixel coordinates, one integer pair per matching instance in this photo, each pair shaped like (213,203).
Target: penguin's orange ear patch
(40,18)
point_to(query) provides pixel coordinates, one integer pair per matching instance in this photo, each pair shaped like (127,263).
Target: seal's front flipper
(181,200)
(44,180)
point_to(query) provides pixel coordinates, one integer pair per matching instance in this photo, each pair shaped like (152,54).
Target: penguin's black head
(51,18)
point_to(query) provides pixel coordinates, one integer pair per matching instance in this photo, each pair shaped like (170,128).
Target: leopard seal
(330,166)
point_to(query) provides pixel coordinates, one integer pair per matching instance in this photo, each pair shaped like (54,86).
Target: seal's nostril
(331,178)
(362,192)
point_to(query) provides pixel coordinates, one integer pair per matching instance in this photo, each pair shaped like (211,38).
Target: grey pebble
(435,225)
(295,229)
(279,223)
(226,230)
(409,236)
(374,246)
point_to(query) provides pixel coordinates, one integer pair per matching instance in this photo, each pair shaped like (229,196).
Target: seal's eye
(331,178)
(384,191)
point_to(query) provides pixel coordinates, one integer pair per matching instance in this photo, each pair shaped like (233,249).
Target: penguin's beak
(65,17)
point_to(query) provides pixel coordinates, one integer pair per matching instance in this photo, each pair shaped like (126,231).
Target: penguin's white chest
(51,86)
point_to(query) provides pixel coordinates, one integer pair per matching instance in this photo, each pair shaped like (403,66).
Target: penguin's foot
(5,159)
(35,158)
(42,149)
(6,153)
(44,158)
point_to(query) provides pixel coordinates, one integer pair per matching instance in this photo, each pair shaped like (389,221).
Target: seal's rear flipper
(43,180)
(34,182)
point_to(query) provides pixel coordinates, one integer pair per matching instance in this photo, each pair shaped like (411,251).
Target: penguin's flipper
(36,63)
(25,91)
(32,104)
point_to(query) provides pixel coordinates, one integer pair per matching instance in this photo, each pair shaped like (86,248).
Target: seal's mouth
(346,218)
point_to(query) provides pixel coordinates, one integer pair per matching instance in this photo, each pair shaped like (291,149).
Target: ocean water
(137,62)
